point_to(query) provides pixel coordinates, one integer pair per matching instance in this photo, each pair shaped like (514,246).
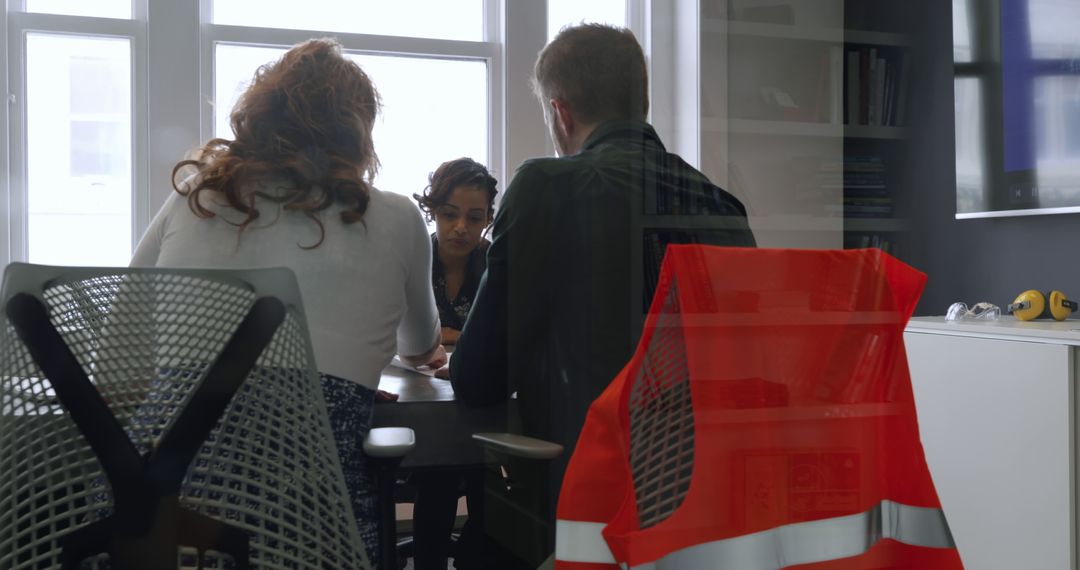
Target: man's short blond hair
(597,70)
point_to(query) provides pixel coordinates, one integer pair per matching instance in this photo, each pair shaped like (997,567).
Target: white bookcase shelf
(803,33)
(876,224)
(800,129)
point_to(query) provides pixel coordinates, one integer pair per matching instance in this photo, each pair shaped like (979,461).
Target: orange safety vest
(765,421)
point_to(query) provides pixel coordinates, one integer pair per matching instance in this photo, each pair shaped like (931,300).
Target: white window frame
(172,95)
(5,168)
(14,196)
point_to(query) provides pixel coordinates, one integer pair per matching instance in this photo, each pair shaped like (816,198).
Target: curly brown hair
(305,121)
(448,176)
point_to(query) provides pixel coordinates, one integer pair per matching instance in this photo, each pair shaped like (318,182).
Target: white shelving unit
(749,143)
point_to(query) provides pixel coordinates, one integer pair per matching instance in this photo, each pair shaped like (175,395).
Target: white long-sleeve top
(366,289)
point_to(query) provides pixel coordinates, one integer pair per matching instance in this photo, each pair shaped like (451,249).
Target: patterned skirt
(350,407)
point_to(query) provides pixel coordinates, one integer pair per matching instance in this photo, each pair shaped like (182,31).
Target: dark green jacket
(554,317)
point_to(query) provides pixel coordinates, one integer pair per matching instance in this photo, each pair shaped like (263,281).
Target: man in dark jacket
(576,238)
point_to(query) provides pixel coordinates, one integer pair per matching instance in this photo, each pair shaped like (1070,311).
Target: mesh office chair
(150,417)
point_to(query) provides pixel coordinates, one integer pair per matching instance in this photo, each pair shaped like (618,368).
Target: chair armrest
(389,442)
(519,445)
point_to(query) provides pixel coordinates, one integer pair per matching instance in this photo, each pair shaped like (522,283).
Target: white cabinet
(996,406)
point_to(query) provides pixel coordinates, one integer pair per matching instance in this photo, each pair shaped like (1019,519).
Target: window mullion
(140,130)
(526,34)
(17,203)
(7,140)
(494,33)
(75,25)
(389,45)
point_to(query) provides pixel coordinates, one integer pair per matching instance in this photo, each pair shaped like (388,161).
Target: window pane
(961,31)
(79,149)
(98,8)
(970,145)
(456,20)
(1052,31)
(571,12)
(434,110)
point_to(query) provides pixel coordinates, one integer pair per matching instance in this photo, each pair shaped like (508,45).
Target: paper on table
(401,364)
(425,370)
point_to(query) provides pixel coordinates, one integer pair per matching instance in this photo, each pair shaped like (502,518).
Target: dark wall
(970,260)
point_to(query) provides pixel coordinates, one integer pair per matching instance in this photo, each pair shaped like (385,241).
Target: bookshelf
(892,30)
(802,115)
(761,99)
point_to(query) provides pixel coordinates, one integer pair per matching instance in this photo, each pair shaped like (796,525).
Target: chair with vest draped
(766,420)
(155,418)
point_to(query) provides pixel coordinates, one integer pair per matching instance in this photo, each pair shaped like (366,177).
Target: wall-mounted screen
(1017,101)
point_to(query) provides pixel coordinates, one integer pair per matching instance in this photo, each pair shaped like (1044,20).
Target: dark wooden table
(443,426)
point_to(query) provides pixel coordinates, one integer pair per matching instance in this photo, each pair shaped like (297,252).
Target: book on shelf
(867,111)
(865,72)
(852,88)
(829,102)
(866,193)
(853,186)
(878,100)
(876,85)
(854,163)
(861,211)
(836,85)
(902,88)
(871,201)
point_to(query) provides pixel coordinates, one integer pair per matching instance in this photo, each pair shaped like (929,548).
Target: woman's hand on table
(443,373)
(438,359)
(432,360)
(384,396)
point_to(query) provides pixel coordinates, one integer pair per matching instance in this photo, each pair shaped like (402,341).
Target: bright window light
(455,20)
(96,8)
(970,153)
(434,110)
(563,13)
(79,149)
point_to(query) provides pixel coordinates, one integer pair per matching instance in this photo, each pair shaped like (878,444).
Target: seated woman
(460,198)
(294,189)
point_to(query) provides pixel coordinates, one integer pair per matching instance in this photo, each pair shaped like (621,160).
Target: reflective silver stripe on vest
(815,541)
(577,541)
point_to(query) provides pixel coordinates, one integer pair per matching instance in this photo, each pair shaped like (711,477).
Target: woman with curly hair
(460,199)
(294,188)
